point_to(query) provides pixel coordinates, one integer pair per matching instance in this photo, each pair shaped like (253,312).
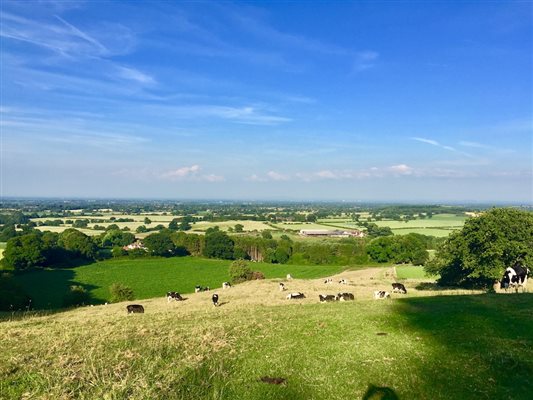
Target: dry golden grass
(180,350)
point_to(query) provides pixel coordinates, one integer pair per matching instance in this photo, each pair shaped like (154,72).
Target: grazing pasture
(440,225)
(412,272)
(202,226)
(258,345)
(150,277)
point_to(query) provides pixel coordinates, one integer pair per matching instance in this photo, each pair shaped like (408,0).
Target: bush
(239,271)
(118,252)
(76,296)
(256,275)
(120,292)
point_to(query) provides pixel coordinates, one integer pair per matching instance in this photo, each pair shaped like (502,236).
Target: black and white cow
(329,280)
(381,294)
(173,296)
(199,288)
(226,285)
(135,308)
(515,276)
(295,295)
(281,286)
(343,281)
(215,299)
(326,298)
(345,296)
(398,288)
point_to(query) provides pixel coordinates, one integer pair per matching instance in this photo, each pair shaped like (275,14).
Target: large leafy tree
(218,245)
(24,251)
(160,244)
(77,243)
(479,253)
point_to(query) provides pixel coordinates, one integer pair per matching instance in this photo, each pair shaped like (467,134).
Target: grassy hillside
(440,347)
(151,277)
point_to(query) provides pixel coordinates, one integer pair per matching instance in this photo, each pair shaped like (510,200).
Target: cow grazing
(329,280)
(345,296)
(199,288)
(343,281)
(215,299)
(173,296)
(381,294)
(296,295)
(398,288)
(515,276)
(289,277)
(135,308)
(326,298)
(281,286)
(226,285)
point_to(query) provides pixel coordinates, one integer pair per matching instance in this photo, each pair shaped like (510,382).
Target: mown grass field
(439,347)
(150,277)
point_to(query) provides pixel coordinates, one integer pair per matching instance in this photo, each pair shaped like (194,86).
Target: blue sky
(390,101)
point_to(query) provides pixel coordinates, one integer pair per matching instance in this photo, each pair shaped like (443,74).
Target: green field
(411,272)
(466,347)
(150,277)
(440,225)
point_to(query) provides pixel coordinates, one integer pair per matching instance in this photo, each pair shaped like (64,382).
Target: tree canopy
(479,253)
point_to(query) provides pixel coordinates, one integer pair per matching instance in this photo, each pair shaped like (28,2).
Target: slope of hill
(425,345)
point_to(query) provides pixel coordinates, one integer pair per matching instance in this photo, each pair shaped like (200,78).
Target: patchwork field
(424,345)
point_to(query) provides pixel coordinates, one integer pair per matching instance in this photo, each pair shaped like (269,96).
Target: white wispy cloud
(188,173)
(245,115)
(134,75)
(365,60)
(276,176)
(434,143)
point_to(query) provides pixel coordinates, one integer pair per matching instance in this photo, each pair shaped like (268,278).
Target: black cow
(135,308)
(515,276)
(296,295)
(215,299)
(173,296)
(326,298)
(398,288)
(345,296)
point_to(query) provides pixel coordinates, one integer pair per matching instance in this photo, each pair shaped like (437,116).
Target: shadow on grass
(481,346)
(380,393)
(48,287)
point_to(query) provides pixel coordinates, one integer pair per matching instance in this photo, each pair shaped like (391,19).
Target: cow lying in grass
(135,308)
(173,296)
(329,280)
(296,295)
(226,285)
(281,286)
(345,296)
(199,288)
(381,294)
(398,288)
(327,298)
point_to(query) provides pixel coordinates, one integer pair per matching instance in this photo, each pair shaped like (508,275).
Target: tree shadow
(380,393)
(48,287)
(479,346)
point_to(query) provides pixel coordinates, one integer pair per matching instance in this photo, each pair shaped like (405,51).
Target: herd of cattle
(323,298)
(513,277)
